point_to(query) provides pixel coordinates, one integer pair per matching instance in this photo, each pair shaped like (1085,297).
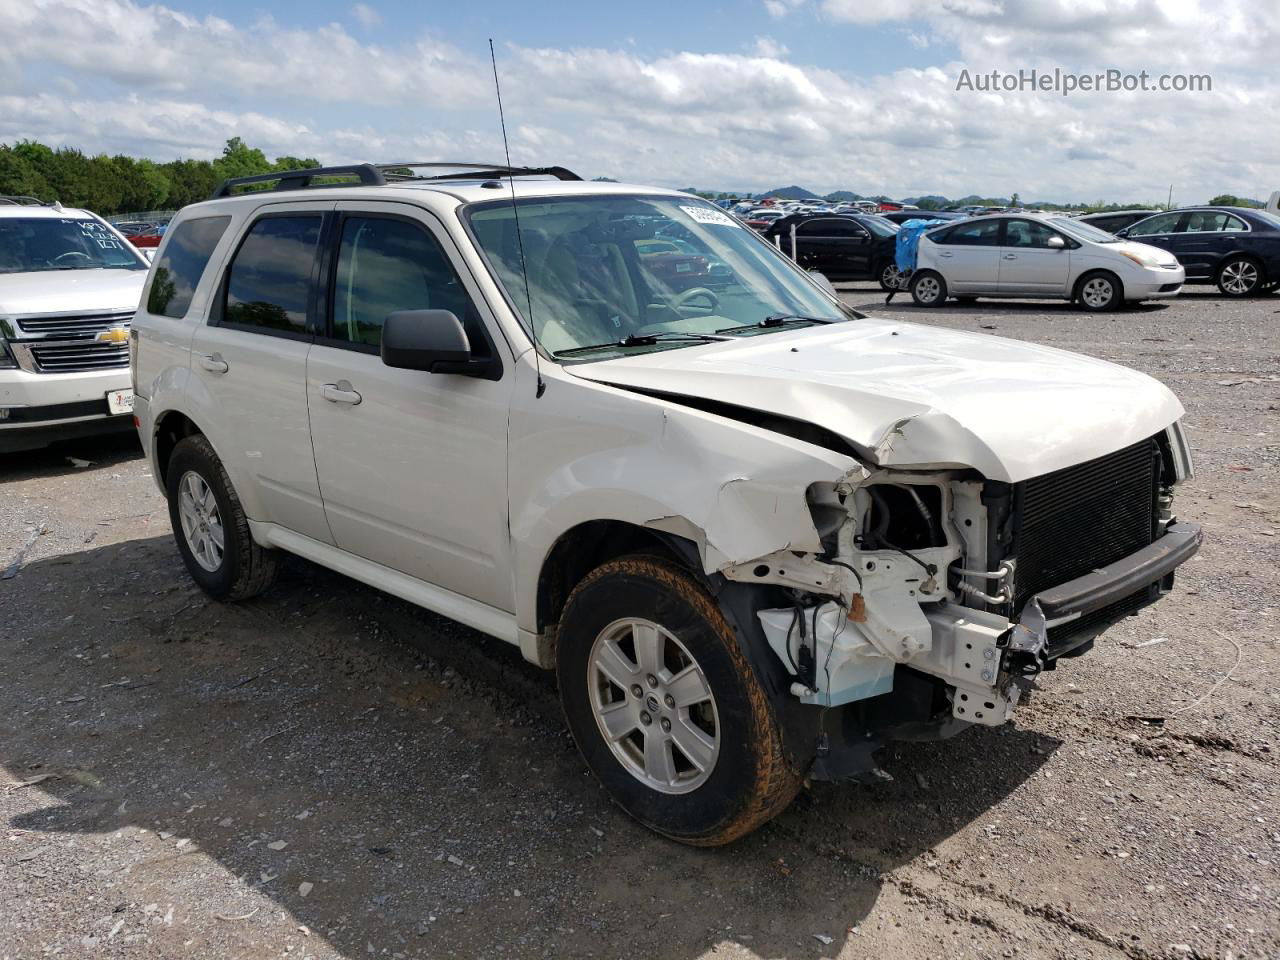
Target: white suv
(69,285)
(755,533)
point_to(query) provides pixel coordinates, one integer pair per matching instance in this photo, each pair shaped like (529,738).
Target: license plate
(120,401)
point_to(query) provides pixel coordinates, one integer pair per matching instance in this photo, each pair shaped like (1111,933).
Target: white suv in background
(69,285)
(1037,256)
(756,534)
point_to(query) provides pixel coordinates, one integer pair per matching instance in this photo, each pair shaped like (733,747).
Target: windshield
(34,244)
(879,226)
(1083,231)
(665,272)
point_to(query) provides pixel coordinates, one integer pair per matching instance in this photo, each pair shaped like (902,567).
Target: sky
(718,94)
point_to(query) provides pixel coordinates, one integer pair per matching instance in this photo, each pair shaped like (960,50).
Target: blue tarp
(909,240)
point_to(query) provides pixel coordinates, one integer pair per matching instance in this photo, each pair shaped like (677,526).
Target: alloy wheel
(201,521)
(928,289)
(653,705)
(1097,293)
(1239,277)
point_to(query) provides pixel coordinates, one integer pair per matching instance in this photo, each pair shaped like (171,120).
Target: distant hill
(791,193)
(842,196)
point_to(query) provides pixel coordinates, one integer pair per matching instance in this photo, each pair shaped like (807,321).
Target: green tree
(240,160)
(1228,200)
(1015,200)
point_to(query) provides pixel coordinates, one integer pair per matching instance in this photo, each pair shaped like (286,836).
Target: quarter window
(386,265)
(1164,223)
(179,271)
(269,282)
(979,233)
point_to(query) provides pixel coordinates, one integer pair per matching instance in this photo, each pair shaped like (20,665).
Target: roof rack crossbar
(379,174)
(366,173)
(473,171)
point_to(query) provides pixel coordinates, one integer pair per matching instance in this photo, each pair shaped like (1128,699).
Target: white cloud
(366,16)
(780,8)
(769,48)
(749,120)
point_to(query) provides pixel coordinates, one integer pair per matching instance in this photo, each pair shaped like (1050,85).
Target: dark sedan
(1114,220)
(1236,248)
(849,246)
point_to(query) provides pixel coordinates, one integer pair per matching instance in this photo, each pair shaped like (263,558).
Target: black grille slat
(1083,517)
(85,326)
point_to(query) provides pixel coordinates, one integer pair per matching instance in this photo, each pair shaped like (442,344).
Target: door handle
(340,392)
(1011,256)
(214,363)
(946,253)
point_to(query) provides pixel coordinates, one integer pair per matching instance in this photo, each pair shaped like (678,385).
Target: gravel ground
(327,772)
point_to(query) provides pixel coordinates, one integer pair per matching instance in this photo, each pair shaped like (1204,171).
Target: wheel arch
(583,547)
(1077,292)
(171,427)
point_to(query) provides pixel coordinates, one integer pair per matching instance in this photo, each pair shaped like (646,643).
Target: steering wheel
(71,253)
(682,299)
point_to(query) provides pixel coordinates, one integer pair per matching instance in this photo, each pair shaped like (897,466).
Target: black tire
(928,289)
(887,274)
(245,568)
(1240,277)
(750,780)
(1099,291)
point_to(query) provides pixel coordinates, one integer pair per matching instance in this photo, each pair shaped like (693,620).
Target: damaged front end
(938,596)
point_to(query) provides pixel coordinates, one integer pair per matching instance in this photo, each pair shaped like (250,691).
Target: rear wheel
(210,526)
(1240,277)
(889,276)
(664,706)
(1099,292)
(928,289)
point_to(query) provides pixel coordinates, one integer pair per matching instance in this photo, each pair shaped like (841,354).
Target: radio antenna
(515,212)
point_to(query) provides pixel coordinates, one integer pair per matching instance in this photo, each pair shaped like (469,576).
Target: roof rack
(380,174)
(18,201)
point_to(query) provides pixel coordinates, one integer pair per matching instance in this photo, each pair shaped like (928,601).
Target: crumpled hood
(912,395)
(70,291)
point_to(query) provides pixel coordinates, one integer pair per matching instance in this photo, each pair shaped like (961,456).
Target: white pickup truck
(756,534)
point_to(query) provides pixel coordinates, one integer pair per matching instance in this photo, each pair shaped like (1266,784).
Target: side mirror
(430,340)
(1056,243)
(1122,234)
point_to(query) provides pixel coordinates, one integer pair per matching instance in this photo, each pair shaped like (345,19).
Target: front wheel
(1240,277)
(928,289)
(1100,292)
(664,706)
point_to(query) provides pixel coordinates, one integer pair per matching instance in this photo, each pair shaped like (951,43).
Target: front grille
(75,357)
(70,328)
(67,344)
(1075,520)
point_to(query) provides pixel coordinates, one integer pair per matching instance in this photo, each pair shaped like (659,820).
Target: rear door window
(979,233)
(269,282)
(179,271)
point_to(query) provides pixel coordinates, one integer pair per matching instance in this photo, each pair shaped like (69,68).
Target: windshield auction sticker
(705,215)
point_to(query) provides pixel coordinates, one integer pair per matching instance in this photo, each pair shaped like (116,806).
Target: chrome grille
(73,327)
(68,344)
(76,357)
